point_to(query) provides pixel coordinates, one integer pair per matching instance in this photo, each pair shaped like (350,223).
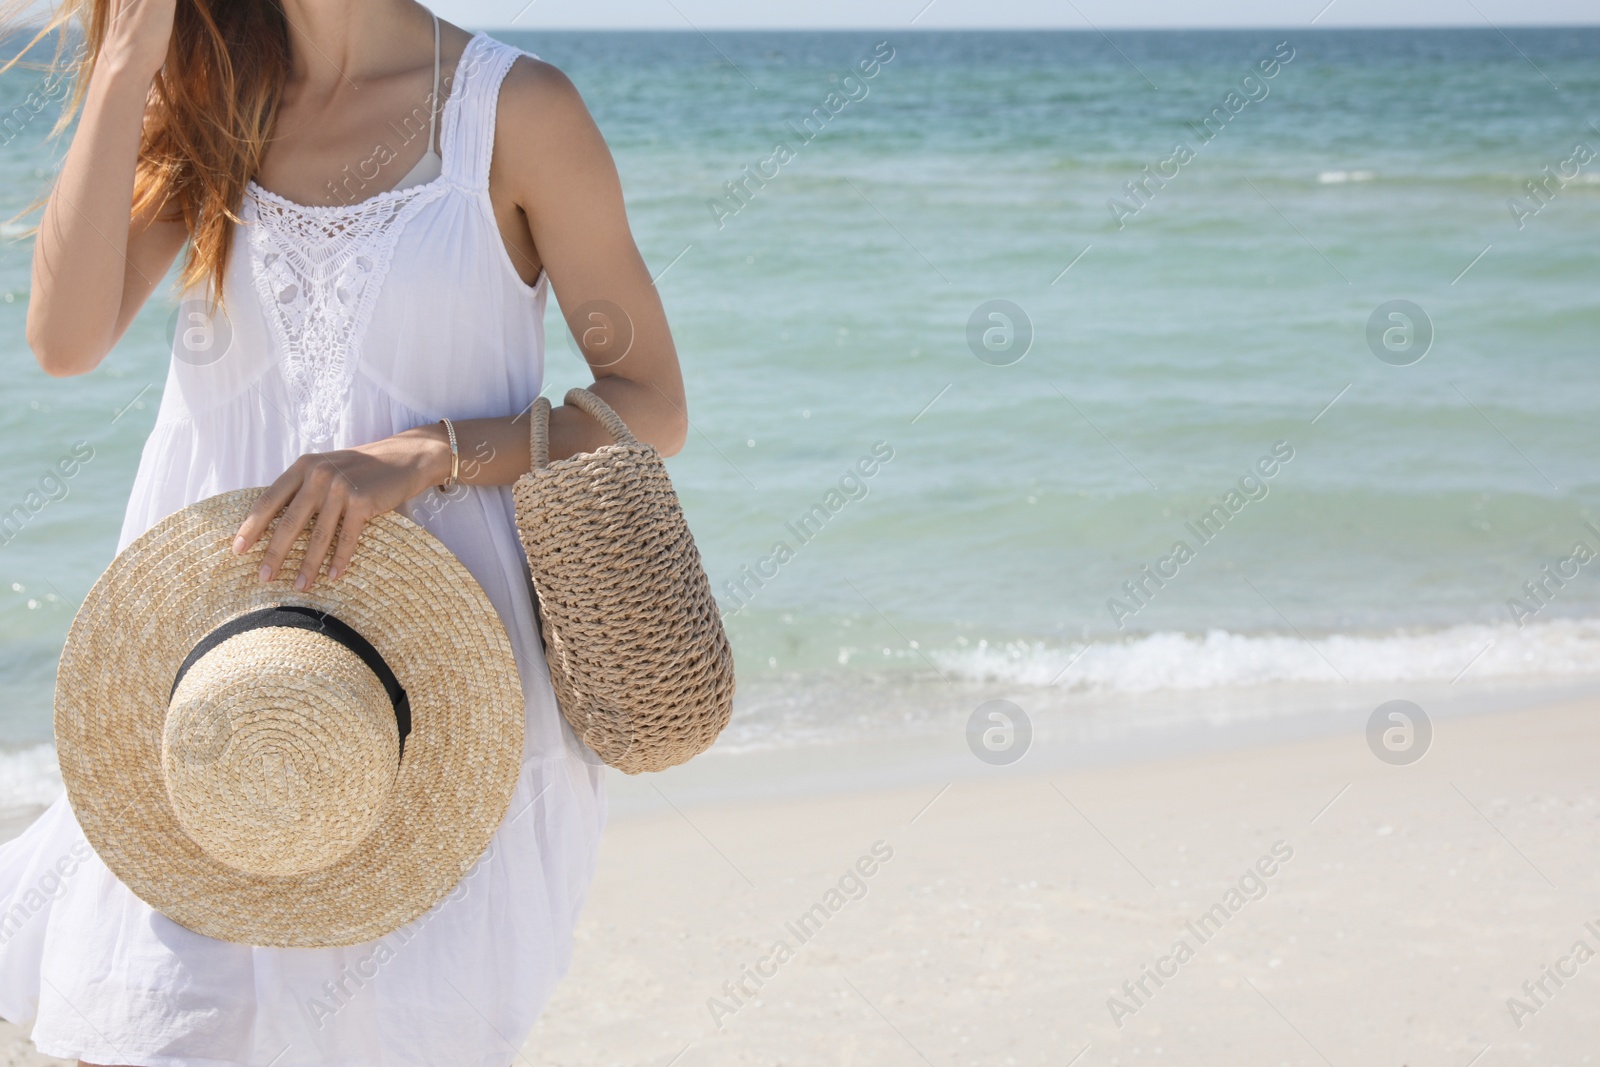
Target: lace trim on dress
(318,276)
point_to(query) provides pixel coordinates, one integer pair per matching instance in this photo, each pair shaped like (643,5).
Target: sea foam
(1178,661)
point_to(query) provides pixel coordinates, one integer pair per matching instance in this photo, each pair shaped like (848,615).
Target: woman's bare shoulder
(545,132)
(537,94)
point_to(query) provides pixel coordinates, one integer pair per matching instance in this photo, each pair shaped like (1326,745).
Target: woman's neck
(353,41)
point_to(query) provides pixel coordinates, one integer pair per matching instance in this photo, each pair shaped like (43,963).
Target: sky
(1003,14)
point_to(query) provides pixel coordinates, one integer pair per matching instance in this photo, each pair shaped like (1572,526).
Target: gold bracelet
(455,458)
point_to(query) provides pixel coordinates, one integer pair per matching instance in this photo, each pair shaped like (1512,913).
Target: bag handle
(539,433)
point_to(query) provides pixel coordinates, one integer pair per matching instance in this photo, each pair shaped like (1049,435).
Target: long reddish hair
(209,116)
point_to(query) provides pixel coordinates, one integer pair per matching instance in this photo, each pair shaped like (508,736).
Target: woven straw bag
(638,657)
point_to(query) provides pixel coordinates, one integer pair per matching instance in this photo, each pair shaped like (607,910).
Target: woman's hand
(337,492)
(138,35)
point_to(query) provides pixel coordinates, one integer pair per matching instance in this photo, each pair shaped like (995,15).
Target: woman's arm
(560,204)
(93,268)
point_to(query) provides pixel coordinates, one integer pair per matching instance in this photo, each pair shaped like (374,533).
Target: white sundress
(349,323)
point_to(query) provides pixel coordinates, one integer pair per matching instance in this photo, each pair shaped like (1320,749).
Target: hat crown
(280,750)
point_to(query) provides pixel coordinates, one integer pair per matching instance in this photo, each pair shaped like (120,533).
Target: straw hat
(280,768)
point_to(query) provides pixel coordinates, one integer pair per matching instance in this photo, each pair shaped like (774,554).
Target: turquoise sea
(1189,251)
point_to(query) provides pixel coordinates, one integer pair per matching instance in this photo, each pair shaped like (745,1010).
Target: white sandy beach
(998,920)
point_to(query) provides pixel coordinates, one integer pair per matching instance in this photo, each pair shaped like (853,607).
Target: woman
(374,205)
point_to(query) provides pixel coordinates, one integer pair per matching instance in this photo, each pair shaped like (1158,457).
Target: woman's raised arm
(93,264)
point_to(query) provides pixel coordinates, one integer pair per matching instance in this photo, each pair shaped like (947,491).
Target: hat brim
(408,596)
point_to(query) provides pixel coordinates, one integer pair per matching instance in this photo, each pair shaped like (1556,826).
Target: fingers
(295,518)
(313,494)
(322,530)
(267,505)
(349,534)
(321,498)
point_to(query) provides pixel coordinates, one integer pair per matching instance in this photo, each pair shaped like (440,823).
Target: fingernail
(266,573)
(300,582)
(239,546)
(333,572)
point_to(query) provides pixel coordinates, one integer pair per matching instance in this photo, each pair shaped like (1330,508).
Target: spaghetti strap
(433,101)
(432,162)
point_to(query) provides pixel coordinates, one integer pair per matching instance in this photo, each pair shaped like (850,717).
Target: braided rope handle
(539,432)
